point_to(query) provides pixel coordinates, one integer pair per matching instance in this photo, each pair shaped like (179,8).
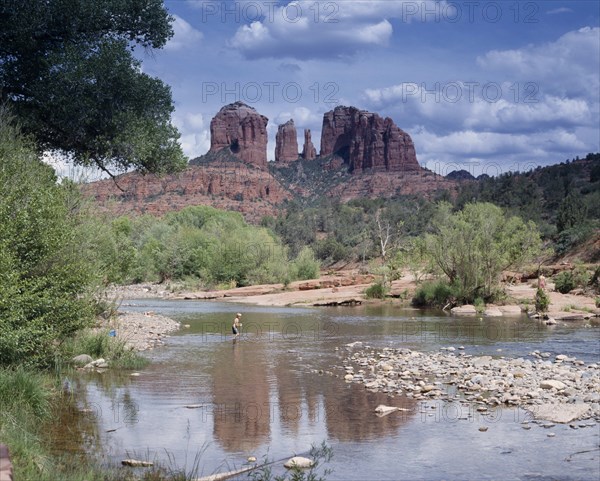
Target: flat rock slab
(464,310)
(510,310)
(559,413)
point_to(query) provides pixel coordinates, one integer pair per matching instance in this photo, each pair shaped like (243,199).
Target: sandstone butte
(362,156)
(286,143)
(367,141)
(243,130)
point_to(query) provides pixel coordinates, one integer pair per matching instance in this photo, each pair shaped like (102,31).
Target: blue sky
(484,86)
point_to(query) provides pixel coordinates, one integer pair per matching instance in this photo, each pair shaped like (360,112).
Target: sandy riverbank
(348,288)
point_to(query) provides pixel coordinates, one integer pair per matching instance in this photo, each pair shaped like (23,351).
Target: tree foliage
(473,246)
(212,246)
(67,70)
(44,280)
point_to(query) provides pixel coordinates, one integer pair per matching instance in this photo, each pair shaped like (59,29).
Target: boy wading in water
(237,325)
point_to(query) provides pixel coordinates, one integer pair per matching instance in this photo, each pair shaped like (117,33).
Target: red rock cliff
(243,130)
(367,141)
(286,143)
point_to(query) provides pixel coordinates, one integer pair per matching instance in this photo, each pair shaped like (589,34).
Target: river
(275,391)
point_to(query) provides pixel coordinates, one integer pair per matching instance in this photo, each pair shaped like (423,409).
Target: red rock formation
(286,143)
(367,141)
(308,151)
(243,130)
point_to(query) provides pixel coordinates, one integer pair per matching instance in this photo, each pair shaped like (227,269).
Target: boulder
(242,130)
(492,312)
(286,143)
(308,151)
(299,462)
(553,384)
(367,141)
(82,359)
(467,309)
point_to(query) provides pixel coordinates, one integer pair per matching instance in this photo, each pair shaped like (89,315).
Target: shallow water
(261,396)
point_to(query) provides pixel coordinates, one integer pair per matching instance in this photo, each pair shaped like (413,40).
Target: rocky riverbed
(143,330)
(553,388)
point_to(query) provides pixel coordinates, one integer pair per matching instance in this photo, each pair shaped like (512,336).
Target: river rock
(552,384)
(82,359)
(559,413)
(349,377)
(299,462)
(384,410)
(136,463)
(467,309)
(493,312)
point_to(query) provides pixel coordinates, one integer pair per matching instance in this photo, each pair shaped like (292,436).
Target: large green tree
(473,246)
(68,72)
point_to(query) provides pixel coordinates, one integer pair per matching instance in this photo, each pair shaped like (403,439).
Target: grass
(98,344)
(573,307)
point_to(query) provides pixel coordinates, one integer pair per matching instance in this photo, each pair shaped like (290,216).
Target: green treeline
(212,247)
(563,200)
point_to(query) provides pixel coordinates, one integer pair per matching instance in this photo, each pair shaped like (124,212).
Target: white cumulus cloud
(184,35)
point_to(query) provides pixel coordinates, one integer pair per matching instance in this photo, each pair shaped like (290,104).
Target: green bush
(46,281)
(434,294)
(305,266)
(332,251)
(542,301)
(564,282)
(376,291)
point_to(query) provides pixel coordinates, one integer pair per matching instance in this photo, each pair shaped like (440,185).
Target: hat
(239,314)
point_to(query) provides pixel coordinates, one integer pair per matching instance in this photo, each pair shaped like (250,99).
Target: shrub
(564,282)
(598,302)
(542,301)
(479,304)
(305,266)
(376,291)
(46,280)
(434,294)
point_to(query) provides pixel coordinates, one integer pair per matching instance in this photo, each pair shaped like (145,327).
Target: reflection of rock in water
(289,392)
(241,410)
(348,410)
